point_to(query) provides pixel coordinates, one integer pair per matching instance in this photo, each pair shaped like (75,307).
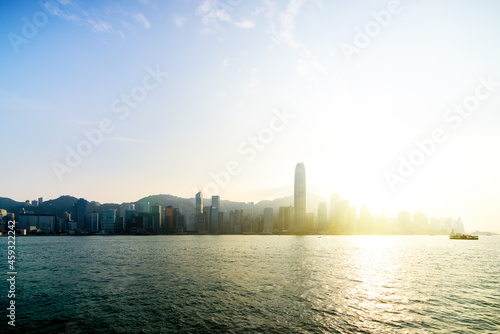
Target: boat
(460,236)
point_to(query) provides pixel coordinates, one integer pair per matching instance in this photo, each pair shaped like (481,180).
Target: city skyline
(339,209)
(118,100)
(342,219)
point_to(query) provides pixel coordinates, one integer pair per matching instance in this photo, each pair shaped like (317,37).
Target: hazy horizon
(392,104)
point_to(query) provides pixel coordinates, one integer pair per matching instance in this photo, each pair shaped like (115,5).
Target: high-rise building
(94,222)
(352,220)
(40,201)
(81,214)
(300,198)
(157,221)
(108,221)
(404,221)
(236,218)
(169,219)
(214,219)
(342,216)
(145,207)
(333,202)
(310,226)
(281,219)
(268,220)
(289,218)
(126,206)
(199,202)
(420,222)
(366,221)
(322,217)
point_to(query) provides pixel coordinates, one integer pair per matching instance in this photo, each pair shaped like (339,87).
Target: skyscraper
(108,221)
(322,217)
(157,221)
(268,221)
(199,202)
(333,201)
(300,198)
(145,207)
(94,222)
(214,219)
(199,218)
(81,214)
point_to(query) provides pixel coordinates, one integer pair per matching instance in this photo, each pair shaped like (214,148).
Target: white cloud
(96,21)
(214,12)
(140,18)
(245,23)
(287,22)
(179,21)
(282,26)
(100,26)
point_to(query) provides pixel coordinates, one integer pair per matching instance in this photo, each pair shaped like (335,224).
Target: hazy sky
(171,92)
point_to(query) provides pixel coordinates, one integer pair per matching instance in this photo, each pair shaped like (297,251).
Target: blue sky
(228,68)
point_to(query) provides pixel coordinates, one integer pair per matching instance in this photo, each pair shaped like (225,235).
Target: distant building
(214,219)
(322,218)
(40,201)
(169,219)
(145,207)
(420,223)
(352,220)
(281,220)
(300,198)
(268,220)
(157,221)
(81,214)
(342,217)
(199,202)
(94,222)
(108,221)
(124,207)
(366,221)
(310,226)
(404,221)
(37,222)
(236,218)
(333,202)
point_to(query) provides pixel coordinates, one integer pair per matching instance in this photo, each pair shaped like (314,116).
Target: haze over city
(171,97)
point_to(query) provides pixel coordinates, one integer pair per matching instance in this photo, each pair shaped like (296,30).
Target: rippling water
(260,284)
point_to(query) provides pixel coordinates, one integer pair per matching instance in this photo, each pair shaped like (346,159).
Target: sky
(393,104)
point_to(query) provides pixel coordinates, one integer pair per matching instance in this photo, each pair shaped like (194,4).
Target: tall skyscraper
(333,201)
(322,217)
(300,198)
(342,216)
(94,222)
(108,221)
(157,221)
(169,219)
(124,207)
(214,219)
(199,202)
(145,207)
(268,220)
(81,214)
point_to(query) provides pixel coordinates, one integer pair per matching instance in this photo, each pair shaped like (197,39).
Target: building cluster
(147,218)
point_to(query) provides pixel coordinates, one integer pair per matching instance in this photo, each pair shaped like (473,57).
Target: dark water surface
(255,284)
